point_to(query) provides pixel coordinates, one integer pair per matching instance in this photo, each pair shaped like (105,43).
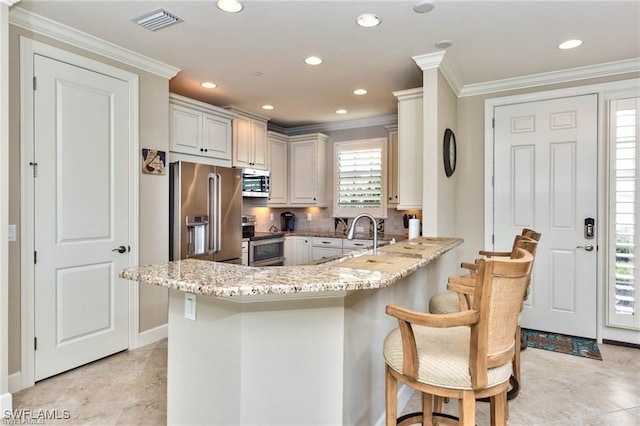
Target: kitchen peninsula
(298,345)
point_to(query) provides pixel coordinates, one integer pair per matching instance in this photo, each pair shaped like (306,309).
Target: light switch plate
(12,233)
(271,217)
(309,217)
(190,306)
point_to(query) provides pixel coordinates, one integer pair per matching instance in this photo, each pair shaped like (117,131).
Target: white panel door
(81,215)
(545,179)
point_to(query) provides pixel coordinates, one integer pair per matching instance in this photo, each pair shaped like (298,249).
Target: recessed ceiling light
(341,111)
(423,6)
(369,20)
(570,44)
(231,6)
(267,106)
(208,85)
(444,44)
(313,60)
(360,92)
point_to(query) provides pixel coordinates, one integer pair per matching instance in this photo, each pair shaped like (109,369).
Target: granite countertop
(356,271)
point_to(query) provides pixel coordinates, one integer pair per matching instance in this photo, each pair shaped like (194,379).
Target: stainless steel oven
(266,250)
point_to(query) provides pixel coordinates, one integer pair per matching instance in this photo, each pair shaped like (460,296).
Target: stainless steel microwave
(255,183)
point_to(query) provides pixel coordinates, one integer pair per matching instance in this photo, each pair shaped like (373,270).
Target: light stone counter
(299,345)
(228,280)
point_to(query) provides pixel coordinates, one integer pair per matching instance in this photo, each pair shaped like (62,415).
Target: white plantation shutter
(623,306)
(359,178)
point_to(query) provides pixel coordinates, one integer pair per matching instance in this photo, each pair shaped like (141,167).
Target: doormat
(578,346)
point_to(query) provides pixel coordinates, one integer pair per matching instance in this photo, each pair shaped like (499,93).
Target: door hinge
(35,168)
(493,239)
(35,343)
(35,257)
(493,123)
(35,83)
(493,181)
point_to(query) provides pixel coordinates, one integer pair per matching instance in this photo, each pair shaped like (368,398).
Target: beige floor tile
(151,384)
(128,361)
(144,412)
(157,358)
(97,389)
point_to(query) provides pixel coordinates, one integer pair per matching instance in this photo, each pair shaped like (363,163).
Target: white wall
(5,397)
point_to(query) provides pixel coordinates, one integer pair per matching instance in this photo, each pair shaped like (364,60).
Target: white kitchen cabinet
(410,141)
(325,247)
(349,246)
(197,128)
(277,164)
(245,253)
(392,166)
(307,170)
(249,140)
(296,250)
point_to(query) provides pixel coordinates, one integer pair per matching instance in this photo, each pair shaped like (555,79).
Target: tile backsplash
(320,220)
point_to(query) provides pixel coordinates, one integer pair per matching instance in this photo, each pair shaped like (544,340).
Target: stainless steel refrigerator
(205,216)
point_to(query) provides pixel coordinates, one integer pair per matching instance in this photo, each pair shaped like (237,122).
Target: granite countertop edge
(225,280)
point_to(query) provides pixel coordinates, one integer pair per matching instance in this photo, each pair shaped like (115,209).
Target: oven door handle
(266,241)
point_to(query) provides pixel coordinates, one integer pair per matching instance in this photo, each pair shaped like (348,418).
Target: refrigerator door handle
(212,184)
(218,216)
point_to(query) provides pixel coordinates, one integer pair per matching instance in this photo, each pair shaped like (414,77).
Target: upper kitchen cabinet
(249,140)
(277,164)
(307,170)
(197,128)
(410,137)
(392,166)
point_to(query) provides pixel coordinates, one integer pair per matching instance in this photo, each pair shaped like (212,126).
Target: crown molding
(407,94)
(428,61)
(553,77)
(451,74)
(441,61)
(9,2)
(342,125)
(55,30)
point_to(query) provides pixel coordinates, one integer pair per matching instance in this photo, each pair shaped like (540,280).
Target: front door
(546,178)
(81,150)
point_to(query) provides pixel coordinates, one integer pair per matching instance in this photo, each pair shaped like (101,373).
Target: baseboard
(15,382)
(404,395)
(6,404)
(152,335)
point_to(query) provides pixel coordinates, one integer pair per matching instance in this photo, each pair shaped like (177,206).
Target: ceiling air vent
(157,19)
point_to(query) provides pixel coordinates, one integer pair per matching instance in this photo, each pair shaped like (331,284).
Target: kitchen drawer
(326,242)
(356,244)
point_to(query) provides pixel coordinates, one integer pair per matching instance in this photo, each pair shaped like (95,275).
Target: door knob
(121,249)
(587,247)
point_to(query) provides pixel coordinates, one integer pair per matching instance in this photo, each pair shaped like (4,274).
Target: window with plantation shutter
(360,178)
(624,292)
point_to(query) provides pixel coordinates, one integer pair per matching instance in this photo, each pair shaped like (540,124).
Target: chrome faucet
(352,229)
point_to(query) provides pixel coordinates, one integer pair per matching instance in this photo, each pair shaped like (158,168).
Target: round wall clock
(449,153)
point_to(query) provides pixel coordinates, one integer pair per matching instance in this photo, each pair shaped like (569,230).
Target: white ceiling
(492,40)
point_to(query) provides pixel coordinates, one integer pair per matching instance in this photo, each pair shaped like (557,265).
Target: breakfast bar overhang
(299,345)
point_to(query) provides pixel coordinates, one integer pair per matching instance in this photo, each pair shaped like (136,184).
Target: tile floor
(560,389)
(130,389)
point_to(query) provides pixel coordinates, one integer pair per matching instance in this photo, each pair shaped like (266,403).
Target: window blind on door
(623,265)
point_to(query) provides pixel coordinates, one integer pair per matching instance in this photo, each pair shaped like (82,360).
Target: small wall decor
(153,162)
(449,152)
